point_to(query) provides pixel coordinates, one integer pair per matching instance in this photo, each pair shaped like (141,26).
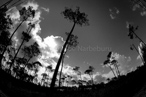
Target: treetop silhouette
(77,18)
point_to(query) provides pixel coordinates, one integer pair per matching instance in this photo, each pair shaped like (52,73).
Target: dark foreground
(131,85)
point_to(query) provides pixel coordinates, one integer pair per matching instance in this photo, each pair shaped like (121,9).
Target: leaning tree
(142,5)
(25,14)
(77,18)
(132,35)
(5,26)
(72,43)
(25,38)
(107,63)
(113,64)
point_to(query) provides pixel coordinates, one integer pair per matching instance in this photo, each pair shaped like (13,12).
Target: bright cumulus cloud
(13,13)
(31,3)
(50,41)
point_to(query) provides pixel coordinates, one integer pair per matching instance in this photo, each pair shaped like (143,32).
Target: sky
(107,29)
(107,32)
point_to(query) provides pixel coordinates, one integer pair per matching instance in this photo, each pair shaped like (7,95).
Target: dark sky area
(107,29)
(103,31)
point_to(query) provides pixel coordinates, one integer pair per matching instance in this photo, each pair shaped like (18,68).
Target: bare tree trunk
(1,57)
(61,71)
(112,71)
(16,54)
(18,50)
(138,37)
(60,58)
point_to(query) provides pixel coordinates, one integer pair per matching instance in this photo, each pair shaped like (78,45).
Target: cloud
(30,3)
(114,12)
(141,8)
(124,62)
(86,77)
(51,46)
(67,69)
(138,57)
(14,14)
(127,24)
(45,9)
(143,13)
(98,77)
(112,16)
(108,75)
(136,6)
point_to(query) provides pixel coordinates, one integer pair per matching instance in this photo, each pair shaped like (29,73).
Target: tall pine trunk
(138,37)
(61,71)
(16,54)
(18,50)
(1,57)
(60,58)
